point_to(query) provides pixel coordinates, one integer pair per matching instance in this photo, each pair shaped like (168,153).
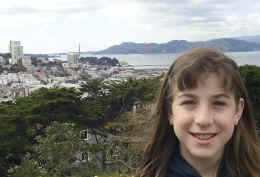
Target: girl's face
(203,118)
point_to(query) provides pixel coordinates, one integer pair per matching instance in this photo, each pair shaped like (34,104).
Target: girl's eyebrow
(187,95)
(216,96)
(222,95)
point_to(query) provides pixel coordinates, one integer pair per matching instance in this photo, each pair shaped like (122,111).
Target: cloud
(60,24)
(16,10)
(49,6)
(202,19)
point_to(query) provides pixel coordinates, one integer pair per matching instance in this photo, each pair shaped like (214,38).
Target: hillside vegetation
(46,133)
(178,46)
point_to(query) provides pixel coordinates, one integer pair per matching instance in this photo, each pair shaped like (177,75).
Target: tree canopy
(115,113)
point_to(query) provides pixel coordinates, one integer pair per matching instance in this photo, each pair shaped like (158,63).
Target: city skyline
(60,25)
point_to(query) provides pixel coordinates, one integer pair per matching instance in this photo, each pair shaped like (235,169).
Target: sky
(53,26)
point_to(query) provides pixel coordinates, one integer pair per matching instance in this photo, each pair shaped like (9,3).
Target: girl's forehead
(208,82)
(206,93)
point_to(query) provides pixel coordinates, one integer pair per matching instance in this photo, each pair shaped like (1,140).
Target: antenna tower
(79,49)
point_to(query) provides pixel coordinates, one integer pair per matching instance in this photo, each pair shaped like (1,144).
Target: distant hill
(176,46)
(100,61)
(255,39)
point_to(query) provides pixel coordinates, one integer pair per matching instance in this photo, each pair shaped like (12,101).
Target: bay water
(150,60)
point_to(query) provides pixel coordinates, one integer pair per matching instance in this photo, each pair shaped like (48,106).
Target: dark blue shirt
(179,167)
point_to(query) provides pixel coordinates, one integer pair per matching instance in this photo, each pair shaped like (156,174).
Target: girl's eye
(219,103)
(188,102)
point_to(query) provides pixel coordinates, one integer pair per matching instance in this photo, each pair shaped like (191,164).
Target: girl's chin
(205,154)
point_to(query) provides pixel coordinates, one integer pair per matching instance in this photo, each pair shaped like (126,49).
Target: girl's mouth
(204,136)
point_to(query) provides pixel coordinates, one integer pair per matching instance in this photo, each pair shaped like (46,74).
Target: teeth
(203,137)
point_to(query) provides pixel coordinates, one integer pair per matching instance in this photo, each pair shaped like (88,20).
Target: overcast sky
(48,26)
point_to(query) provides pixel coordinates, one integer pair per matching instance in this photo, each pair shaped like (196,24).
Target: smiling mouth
(203,136)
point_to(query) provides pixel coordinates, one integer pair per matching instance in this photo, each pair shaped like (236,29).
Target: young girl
(204,121)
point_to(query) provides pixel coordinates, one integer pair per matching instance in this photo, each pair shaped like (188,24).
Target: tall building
(16,51)
(73,58)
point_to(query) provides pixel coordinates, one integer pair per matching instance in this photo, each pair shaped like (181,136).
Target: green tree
(113,102)
(47,105)
(19,118)
(14,141)
(57,153)
(95,101)
(113,98)
(34,61)
(126,147)
(251,76)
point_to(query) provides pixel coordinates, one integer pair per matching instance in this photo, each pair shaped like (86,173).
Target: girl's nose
(204,116)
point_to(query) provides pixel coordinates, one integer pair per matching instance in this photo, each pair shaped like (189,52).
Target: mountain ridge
(249,43)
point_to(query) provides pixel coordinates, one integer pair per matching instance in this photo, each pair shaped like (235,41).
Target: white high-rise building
(73,58)
(16,51)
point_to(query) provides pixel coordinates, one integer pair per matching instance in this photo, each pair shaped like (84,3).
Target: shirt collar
(179,167)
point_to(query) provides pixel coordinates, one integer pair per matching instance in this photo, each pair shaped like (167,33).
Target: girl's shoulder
(179,167)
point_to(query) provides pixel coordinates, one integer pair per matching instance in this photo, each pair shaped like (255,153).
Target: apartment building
(73,58)
(16,51)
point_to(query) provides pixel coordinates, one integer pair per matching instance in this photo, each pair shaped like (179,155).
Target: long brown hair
(242,152)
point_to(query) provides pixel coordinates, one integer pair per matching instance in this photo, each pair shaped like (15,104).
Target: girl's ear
(170,118)
(239,111)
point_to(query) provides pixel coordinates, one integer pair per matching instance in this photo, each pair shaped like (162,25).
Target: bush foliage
(41,135)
